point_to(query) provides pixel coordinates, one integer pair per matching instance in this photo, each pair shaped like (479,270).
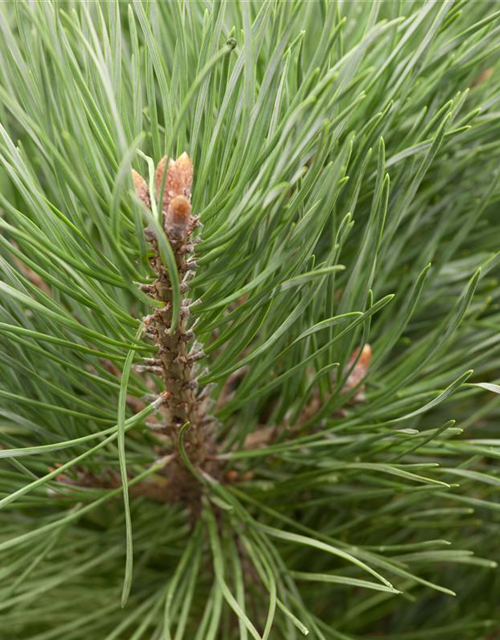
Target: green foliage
(346,174)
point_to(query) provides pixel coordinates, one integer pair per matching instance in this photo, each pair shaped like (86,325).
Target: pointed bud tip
(366,354)
(184,160)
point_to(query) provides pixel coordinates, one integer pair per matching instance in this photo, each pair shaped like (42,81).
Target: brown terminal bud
(184,167)
(177,218)
(178,181)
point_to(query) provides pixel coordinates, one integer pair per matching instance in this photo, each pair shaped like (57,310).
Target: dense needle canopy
(346,159)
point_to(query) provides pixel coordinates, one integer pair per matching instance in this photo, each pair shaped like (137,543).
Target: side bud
(359,371)
(141,188)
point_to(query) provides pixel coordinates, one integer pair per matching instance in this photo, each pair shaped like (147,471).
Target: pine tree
(249,320)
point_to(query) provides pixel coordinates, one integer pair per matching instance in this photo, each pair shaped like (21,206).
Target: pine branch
(185,400)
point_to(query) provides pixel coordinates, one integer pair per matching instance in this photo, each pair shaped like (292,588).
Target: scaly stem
(185,401)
